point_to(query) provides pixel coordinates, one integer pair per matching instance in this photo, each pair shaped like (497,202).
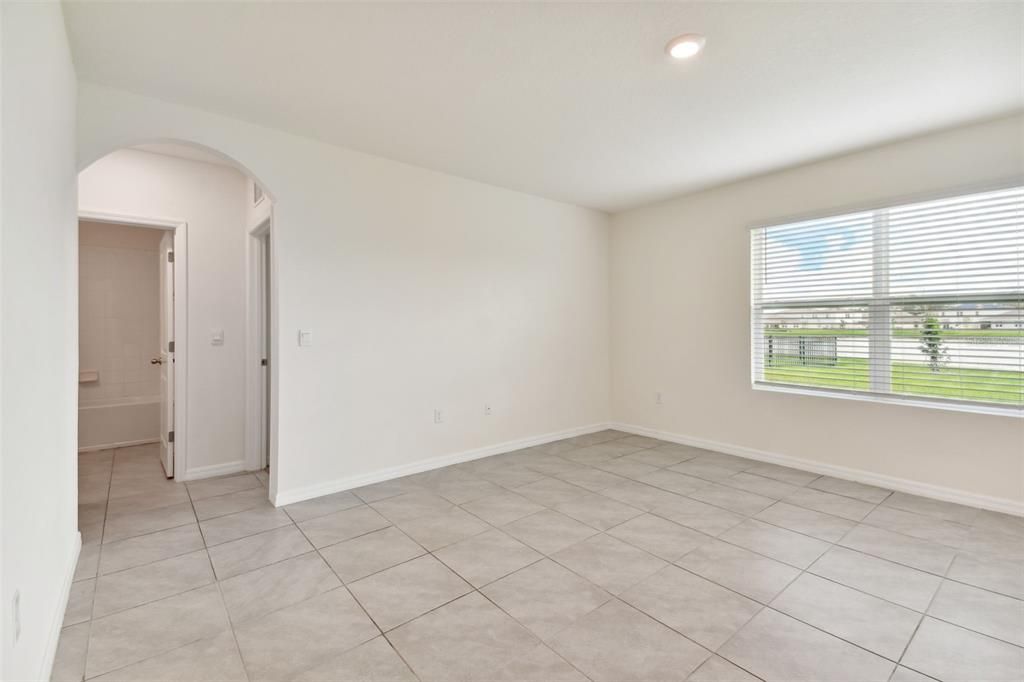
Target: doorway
(260,331)
(132,326)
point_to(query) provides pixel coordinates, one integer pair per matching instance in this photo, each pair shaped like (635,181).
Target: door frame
(261,406)
(180,230)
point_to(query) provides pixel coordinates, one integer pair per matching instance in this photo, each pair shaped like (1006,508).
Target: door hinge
(170,436)
(170,256)
(170,346)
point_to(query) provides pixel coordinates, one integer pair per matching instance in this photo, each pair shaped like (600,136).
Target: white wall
(39,317)
(680,278)
(422,290)
(118,310)
(210,199)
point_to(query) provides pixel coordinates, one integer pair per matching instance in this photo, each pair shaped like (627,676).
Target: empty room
(437,341)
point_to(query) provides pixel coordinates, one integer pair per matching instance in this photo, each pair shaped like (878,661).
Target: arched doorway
(208,383)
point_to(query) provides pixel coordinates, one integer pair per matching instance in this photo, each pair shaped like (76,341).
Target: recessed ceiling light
(685,46)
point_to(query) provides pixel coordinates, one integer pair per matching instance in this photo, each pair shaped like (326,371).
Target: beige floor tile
(548,531)
(322,506)
(410,506)
(501,509)
(902,549)
(701,468)
(122,526)
(511,477)
(403,592)
(610,564)
(592,454)
(283,644)
(209,660)
(780,544)
(242,524)
(781,473)
(660,537)
(374,661)
(553,491)
(893,582)
(807,521)
(546,597)
(641,495)
(155,628)
(741,570)
(699,516)
(471,639)
(88,563)
(147,499)
(344,525)
(868,622)
(703,611)
(80,599)
(592,479)
(486,557)
(616,642)
(211,487)
(860,491)
(91,513)
(256,551)
(759,485)
(991,573)
(674,482)
(717,669)
(69,661)
(829,503)
(276,586)
(938,509)
(778,648)
(917,526)
(907,675)
(370,553)
(150,582)
(627,468)
(145,549)
(231,503)
(598,511)
(660,457)
(1008,546)
(462,491)
(953,654)
(980,610)
(435,531)
(386,489)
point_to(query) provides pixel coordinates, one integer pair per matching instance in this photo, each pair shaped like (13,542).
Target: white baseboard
(905,485)
(62,604)
(212,470)
(122,444)
(309,492)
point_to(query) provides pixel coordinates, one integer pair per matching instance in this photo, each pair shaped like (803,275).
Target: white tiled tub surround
(603,557)
(118,317)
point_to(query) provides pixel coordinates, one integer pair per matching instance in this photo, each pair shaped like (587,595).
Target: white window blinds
(921,301)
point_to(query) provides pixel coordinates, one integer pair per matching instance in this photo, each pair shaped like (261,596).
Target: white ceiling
(576,102)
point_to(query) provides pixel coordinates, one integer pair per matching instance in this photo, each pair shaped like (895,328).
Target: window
(922,301)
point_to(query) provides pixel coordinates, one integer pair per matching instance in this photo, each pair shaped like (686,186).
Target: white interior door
(166,358)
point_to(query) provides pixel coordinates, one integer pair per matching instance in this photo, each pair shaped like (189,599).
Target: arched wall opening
(218,218)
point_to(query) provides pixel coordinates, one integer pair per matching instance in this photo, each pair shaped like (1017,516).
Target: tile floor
(606,557)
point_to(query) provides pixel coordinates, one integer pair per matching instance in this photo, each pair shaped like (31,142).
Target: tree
(932,343)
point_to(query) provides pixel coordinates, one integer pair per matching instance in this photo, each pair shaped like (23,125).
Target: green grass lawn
(1015,334)
(908,378)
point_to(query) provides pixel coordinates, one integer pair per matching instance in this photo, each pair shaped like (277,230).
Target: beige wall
(118,310)
(680,282)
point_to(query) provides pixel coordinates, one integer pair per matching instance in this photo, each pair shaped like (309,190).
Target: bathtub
(118,422)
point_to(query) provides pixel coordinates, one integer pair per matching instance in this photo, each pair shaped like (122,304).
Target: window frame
(879,314)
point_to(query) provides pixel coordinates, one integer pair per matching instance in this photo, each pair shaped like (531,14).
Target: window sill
(951,406)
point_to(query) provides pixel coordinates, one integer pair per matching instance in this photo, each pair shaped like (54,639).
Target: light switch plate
(305,337)
(217,337)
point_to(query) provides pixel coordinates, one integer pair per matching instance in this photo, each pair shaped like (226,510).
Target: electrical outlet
(438,416)
(657,398)
(16,615)
(487,409)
